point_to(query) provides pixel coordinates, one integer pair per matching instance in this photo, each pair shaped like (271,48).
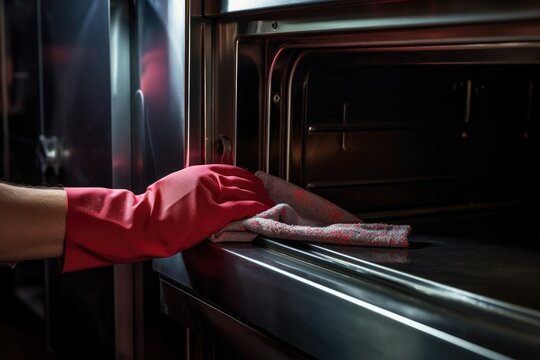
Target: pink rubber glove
(105,226)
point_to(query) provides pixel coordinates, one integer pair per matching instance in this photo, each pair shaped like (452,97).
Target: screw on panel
(276,98)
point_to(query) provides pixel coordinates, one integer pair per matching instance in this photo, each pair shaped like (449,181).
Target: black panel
(77,110)
(250,102)
(22,86)
(80,313)
(404,130)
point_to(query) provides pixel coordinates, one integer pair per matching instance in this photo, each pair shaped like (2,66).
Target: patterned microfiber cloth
(304,216)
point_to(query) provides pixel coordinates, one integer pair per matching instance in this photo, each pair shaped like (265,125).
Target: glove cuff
(100,228)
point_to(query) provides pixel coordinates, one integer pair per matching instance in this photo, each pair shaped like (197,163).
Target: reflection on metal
(334,259)
(51,154)
(138,135)
(120,94)
(402,14)
(332,293)
(228,6)
(160,75)
(125,323)
(198,40)
(330,296)
(428,330)
(76,87)
(157,95)
(76,107)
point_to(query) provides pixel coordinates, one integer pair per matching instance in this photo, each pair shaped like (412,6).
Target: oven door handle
(138,136)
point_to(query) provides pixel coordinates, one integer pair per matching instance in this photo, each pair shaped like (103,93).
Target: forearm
(103,226)
(32,222)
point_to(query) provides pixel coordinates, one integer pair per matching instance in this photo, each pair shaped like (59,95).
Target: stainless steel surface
(76,86)
(76,108)
(127,325)
(139,171)
(355,302)
(501,282)
(384,15)
(260,59)
(229,6)
(200,317)
(86,87)
(332,305)
(199,79)
(225,73)
(121,144)
(148,92)
(436,9)
(160,74)
(210,100)
(198,75)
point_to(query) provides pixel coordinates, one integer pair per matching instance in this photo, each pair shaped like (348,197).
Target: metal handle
(51,154)
(138,137)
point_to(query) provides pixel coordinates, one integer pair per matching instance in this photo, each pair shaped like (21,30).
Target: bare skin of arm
(32,222)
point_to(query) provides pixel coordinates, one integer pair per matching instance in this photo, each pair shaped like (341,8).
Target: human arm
(111,226)
(32,222)
(106,226)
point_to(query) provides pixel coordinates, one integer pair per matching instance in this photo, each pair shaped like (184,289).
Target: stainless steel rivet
(276,98)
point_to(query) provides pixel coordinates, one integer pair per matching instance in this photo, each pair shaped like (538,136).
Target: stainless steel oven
(418,112)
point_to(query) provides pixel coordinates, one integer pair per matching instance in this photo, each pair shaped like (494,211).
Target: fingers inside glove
(239,194)
(230,170)
(242,209)
(237,188)
(229,183)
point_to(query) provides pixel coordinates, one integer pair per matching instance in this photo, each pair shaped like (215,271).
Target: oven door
(400,114)
(283,300)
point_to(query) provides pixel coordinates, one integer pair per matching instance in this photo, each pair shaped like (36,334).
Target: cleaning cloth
(304,216)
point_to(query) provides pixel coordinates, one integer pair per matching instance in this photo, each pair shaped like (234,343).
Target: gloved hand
(105,226)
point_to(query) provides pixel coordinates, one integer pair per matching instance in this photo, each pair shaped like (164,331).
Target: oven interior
(444,138)
(401,132)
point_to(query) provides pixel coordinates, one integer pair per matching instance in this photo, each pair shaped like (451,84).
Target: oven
(417,112)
